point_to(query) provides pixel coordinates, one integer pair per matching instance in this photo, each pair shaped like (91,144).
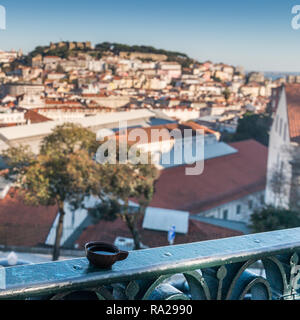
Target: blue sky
(255,34)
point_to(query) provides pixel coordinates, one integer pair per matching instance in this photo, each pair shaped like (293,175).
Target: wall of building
(183,115)
(12,117)
(112,102)
(19,89)
(72,221)
(238,210)
(34,141)
(279,154)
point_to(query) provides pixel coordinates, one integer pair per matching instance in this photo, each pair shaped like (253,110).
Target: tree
(119,184)
(253,126)
(271,219)
(69,138)
(60,69)
(226,94)
(216,79)
(116,48)
(17,159)
(293,167)
(64,171)
(279,185)
(284,179)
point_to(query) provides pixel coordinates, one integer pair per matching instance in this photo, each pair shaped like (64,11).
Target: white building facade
(239,210)
(280,155)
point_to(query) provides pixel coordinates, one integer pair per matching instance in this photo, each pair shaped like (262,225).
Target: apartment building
(283,160)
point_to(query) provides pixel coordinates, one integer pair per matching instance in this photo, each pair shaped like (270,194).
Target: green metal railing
(211,270)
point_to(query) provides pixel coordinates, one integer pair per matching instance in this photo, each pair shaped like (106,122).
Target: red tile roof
(107,231)
(190,125)
(8,125)
(22,225)
(224,179)
(293,108)
(35,117)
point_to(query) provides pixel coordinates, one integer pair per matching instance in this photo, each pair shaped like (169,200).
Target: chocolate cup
(101,260)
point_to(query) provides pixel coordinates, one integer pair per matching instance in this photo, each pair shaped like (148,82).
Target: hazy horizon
(257,36)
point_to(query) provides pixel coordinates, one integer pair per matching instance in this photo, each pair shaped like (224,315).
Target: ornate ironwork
(212,270)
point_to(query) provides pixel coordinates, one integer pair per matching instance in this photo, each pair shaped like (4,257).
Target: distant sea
(277,75)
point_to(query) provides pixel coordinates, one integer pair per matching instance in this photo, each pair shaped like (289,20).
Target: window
(225,214)
(281,167)
(250,204)
(238,209)
(285,132)
(280,128)
(73,219)
(262,200)
(276,124)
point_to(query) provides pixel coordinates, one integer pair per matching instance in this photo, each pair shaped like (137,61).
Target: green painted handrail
(206,270)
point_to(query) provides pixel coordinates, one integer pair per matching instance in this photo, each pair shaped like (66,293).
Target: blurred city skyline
(255,35)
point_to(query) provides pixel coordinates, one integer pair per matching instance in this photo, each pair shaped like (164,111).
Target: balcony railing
(211,270)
